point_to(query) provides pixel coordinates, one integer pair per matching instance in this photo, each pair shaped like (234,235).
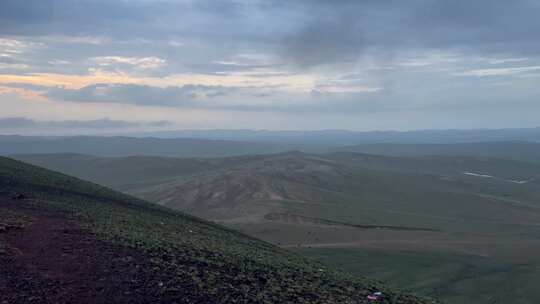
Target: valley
(66,240)
(395,209)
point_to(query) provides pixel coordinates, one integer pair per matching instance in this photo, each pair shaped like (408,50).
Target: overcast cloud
(359,65)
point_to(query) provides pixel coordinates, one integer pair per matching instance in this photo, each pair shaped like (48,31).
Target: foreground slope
(63,240)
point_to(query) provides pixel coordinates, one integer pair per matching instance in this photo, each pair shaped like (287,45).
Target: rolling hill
(342,188)
(124,173)
(345,137)
(277,183)
(515,150)
(463,222)
(65,240)
(148,146)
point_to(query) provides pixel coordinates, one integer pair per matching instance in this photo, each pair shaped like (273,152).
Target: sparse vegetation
(208,259)
(344,200)
(456,278)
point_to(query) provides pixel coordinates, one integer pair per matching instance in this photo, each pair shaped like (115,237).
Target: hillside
(149,146)
(340,187)
(124,173)
(448,227)
(345,137)
(252,189)
(513,171)
(65,240)
(459,222)
(515,150)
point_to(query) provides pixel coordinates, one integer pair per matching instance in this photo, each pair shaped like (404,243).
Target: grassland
(514,150)
(221,264)
(337,208)
(459,279)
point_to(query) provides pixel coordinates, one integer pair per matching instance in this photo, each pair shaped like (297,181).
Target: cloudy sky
(99,66)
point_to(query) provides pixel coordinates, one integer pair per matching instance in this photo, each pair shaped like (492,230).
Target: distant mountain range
(211,148)
(344,137)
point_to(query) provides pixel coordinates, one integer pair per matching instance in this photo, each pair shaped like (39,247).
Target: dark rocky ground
(51,259)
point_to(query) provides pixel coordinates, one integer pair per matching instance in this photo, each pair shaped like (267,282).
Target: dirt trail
(54,260)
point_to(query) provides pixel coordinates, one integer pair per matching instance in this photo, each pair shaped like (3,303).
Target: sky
(106,66)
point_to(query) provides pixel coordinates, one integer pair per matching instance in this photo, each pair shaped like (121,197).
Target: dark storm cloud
(36,17)
(495,20)
(330,40)
(303,32)
(25,123)
(419,55)
(337,31)
(119,18)
(500,25)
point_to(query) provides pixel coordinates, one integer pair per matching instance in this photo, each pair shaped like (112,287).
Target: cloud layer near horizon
(273,64)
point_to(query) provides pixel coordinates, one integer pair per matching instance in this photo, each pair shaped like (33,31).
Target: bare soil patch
(55,260)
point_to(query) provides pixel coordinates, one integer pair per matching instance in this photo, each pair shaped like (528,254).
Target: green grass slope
(131,172)
(221,264)
(516,150)
(119,146)
(454,278)
(337,207)
(485,240)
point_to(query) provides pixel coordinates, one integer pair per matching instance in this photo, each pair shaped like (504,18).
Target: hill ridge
(209,263)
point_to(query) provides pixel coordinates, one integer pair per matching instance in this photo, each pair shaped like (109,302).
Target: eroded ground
(51,259)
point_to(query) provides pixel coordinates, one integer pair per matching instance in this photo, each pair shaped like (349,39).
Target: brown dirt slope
(54,260)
